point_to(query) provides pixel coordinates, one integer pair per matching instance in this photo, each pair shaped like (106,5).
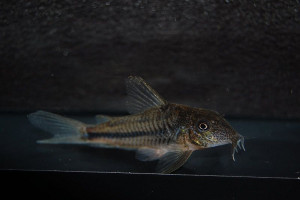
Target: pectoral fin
(169,158)
(149,154)
(172,160)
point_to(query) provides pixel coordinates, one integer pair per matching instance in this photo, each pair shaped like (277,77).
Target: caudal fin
(64,130)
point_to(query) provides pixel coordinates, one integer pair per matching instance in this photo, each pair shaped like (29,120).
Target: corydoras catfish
(156,129)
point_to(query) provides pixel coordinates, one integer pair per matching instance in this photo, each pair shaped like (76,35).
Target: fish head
(210,129)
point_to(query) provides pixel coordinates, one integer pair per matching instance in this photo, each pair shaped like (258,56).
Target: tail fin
(65,130)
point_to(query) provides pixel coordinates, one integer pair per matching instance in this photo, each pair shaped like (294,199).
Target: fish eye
(202,126)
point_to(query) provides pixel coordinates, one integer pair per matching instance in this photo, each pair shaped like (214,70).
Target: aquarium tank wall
(235,57)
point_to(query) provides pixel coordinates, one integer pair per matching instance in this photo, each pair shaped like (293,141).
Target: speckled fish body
(148,129)
(156,129)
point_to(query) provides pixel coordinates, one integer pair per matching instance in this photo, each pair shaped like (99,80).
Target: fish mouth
(237,143)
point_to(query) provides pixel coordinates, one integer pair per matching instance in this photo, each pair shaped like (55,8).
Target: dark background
(238,57)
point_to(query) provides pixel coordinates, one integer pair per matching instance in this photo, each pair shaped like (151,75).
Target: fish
(156,129)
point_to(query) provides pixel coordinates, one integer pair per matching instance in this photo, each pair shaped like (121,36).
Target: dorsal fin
(141,96)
